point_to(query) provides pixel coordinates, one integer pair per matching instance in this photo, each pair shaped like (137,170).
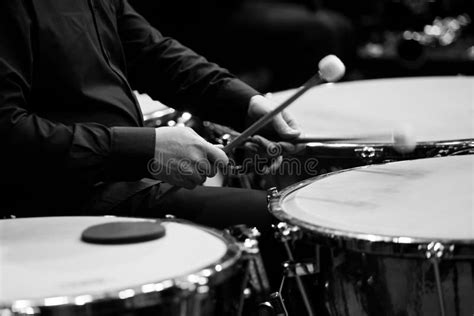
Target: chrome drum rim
(405,246)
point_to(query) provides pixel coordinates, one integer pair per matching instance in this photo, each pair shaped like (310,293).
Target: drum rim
(142,295)
(465,142)
(364,242)
(158,114)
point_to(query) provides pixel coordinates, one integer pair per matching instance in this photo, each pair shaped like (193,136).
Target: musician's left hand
(282,127)
(274,140)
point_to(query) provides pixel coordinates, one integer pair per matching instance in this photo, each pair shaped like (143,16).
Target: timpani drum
(46,269)
(388,239)
(156,114)
(438,112)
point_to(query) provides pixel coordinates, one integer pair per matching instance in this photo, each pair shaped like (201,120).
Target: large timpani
(438,112)
(45,269)
(392,239)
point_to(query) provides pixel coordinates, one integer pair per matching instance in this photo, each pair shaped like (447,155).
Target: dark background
(275,44)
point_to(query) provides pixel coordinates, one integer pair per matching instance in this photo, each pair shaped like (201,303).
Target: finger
(250,146)
(216,156)
(287,148)
(289,119)
(215,166)
(195,176)
(195,180)
(276,163)
(299,148)
(202,179)
(284,130)
(204,168)
(271,149)
(188,173)
(183,181)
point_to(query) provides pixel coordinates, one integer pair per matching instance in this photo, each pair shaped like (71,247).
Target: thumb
(216,156)
(283,129)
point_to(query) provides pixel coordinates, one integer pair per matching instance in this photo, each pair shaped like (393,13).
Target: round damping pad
(123,232)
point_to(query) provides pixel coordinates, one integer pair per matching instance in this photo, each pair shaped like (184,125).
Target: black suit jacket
(68,117)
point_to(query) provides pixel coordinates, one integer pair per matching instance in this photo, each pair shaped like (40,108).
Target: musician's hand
(282,127)
(183,158)
(267,154)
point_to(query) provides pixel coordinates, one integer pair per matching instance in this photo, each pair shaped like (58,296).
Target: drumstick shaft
(264,120)
(387,137)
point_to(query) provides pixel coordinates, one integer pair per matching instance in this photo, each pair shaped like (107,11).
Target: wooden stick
(264,120)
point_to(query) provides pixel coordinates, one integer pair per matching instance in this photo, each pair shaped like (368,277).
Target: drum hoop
(151,293)
(413,247)
(158,114)
(468,142)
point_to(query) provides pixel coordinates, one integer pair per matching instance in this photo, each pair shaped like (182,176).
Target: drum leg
(435,252)
(299,283)
(256,285)
(248,241)
(285,233)
(435,263)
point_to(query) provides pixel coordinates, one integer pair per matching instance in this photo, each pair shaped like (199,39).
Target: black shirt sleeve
(92,150)
(175,75)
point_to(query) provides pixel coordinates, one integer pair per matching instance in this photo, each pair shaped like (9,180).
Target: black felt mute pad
(123,232)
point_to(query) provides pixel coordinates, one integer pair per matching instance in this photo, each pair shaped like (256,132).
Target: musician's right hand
(183,158)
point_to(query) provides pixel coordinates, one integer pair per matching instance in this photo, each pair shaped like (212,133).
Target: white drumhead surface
(433,108)
(148,105)
(425,198)
(44,257)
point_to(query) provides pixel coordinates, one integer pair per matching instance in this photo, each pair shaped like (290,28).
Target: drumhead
(44,259)
(416,201)
(434,109)
(152,109)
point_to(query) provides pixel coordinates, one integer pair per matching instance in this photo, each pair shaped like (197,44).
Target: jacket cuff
(234,98)
(132,149)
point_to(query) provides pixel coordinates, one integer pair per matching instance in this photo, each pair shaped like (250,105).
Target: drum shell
(356,283)
(367,284)
(224,298)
